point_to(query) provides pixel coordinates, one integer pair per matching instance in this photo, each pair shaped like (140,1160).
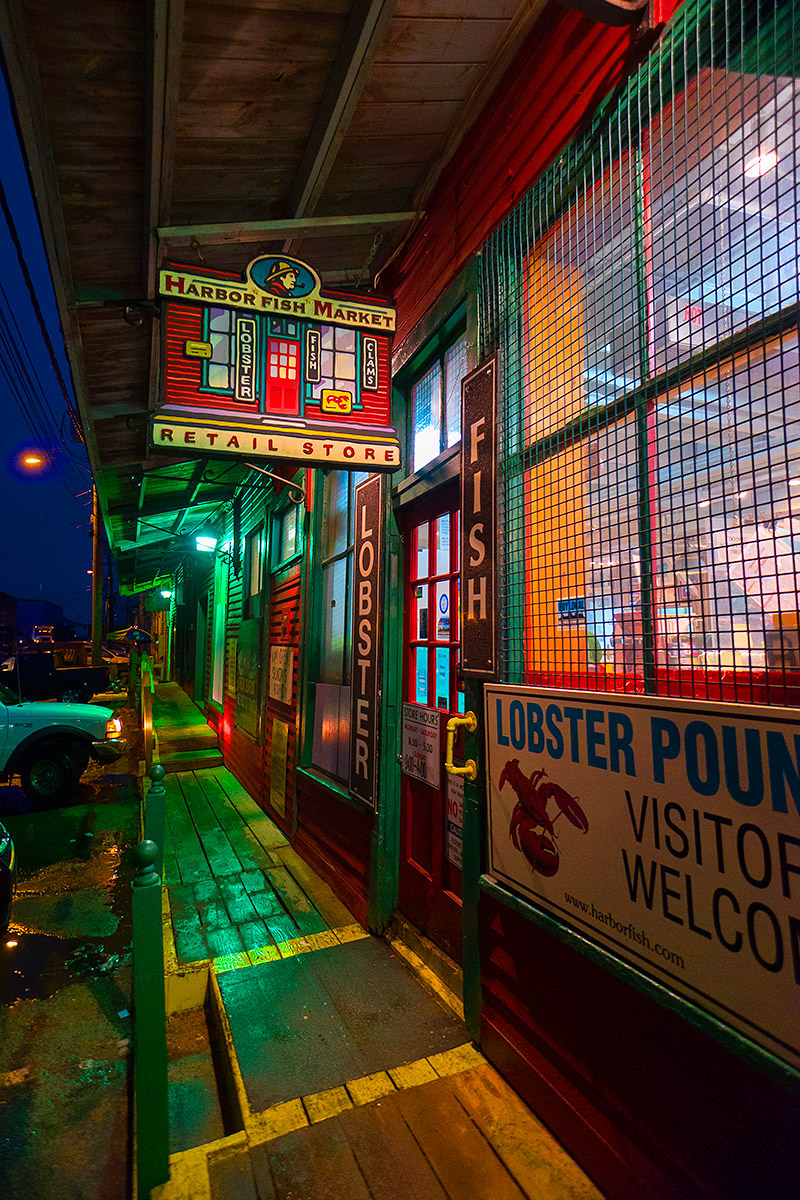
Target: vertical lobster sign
(270,366)
(367,615)
(478,540)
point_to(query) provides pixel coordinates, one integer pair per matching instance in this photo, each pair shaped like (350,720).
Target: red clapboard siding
(243,757)
(183,323)
(567,66)
(335,839)
(605,1068)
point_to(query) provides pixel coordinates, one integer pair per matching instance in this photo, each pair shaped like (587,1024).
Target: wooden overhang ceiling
(211,132)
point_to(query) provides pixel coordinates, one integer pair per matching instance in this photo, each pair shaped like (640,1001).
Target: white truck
(49,744)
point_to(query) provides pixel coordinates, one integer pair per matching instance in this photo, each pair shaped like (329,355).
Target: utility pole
(97,581)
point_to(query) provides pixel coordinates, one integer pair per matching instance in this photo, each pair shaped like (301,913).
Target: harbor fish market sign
(270,366)
(667,833)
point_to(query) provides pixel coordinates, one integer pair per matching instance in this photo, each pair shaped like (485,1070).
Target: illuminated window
(221,335)
(652,410)
(338,362)
(436,405)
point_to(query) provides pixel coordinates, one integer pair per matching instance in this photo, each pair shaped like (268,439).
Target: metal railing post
(150,1026)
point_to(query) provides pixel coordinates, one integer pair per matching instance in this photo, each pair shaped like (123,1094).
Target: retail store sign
(478,546)
(269,365)
(667,833)
(366,640)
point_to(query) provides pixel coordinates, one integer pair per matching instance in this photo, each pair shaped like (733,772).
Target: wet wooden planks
(433,1142)
(235,885)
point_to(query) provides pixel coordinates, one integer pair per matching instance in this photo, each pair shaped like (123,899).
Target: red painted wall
(568,65)
(652,1107)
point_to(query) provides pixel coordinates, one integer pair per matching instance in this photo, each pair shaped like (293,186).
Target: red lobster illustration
(532,830)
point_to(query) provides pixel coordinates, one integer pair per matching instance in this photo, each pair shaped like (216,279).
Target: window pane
(724,220)
(442,541)
(443,611)
(727,567)
(421,626)
(443,679)
(422,551)
(455,368)
(334,600)
(421,676)
(426,404)
(218,377)
(331,747)
(335,507)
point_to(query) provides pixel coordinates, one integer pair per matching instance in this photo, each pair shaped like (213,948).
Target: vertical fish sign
(478,540)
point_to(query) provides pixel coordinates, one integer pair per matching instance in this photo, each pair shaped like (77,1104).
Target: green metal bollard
(150,1025)
(154,814)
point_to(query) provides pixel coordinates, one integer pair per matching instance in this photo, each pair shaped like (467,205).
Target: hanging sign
(270,366)
(667,833)
(422,756)
(366,640)
(478,547)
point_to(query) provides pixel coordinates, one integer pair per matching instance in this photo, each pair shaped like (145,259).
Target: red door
(430,853)
(283,376)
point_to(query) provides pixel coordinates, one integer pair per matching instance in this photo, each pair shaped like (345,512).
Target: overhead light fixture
(761,162)
(166,593)
(206,542)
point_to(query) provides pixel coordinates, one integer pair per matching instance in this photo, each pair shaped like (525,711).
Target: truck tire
(48,771)
(73,694)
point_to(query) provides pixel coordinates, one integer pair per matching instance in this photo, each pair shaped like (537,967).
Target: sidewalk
(307,1060)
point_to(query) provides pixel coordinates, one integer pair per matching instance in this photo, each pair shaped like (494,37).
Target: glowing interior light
(205,543)
(33,460)
(166,593)
(760,163)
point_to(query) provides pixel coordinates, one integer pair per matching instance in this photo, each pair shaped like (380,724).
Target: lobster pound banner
(667,832)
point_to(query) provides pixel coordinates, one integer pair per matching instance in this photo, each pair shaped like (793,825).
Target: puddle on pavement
(70,920)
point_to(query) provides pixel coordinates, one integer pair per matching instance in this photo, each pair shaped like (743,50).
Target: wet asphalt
(65,992)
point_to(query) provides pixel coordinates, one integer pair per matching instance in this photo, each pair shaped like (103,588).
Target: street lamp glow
(31,462)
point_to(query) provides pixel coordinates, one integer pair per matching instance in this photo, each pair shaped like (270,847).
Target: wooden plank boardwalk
(352,1081)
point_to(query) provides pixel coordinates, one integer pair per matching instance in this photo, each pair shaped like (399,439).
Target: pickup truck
(40,675)
(49,744)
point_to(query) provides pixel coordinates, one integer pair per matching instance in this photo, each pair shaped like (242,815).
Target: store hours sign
(668,833)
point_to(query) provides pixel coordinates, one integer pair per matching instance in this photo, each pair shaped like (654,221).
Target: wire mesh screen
(644,297)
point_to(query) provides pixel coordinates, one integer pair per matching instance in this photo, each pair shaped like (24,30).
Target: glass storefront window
(656,512)
(436,405)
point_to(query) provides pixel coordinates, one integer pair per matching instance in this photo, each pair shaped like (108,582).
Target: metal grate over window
(644,297)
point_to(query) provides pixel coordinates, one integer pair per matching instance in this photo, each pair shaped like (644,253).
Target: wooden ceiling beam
(164,74)
(274,231)
(363,36)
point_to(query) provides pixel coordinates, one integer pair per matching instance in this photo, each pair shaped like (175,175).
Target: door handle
(470,768)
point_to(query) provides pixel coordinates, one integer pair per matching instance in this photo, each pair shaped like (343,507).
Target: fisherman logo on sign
(282,276)
(532,829)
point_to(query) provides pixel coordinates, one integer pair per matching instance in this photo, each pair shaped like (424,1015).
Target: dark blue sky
(46,543)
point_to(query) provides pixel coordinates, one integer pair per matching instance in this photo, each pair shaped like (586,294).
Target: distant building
(37,612)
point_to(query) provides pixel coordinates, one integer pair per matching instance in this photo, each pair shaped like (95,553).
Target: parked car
(8,877)
(49,745)
(40,676)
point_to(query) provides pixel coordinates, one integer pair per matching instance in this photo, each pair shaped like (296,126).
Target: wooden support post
(150,1026)
(154,815)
